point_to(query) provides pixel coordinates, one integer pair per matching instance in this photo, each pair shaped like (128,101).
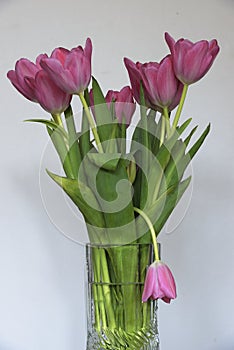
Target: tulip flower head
(162,88)
(35,84)
(24,69)
(123,104)
(159,283)
(191,61)
(70,70)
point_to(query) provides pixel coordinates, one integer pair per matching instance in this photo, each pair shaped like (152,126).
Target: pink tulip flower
(35,84)
(191,61)
(123,104)
(25,68)
(159,283)
(163,89)
(70,70)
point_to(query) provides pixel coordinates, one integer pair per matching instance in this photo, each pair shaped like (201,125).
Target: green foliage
(106,186)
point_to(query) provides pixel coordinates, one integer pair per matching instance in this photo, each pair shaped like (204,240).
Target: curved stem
(180,107)
(91,122)
(152,231)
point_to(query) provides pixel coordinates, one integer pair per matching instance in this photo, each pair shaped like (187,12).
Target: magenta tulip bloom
(25,68)
(159,283)
(191,61)
(123,104)
(162,88)
(35,84)
(70,70)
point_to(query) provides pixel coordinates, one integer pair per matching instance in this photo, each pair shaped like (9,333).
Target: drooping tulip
(159,283)
(191,61)
(162,88)
(124,104)
(70,70)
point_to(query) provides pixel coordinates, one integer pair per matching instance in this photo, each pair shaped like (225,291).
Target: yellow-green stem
(152,231)
(58,120)
(162,134)
(180,107)
(91,122)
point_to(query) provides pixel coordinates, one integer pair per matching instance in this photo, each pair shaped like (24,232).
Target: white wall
(41,271)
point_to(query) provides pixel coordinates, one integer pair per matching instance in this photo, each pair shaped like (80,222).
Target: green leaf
(62,151)
(51,125)
(74,150)
(179,163)
(199,142)
(84,137)
(188,138)
(83,197)
(107,161)
(180,129)
(114,194)
(171,202)
(161,209)
(103,116)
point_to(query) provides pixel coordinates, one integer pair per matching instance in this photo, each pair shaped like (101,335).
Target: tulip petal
(49,95)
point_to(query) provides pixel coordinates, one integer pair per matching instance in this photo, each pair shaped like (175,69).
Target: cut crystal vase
(116,317)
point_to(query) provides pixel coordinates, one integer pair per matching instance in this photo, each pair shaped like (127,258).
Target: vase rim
(107,245)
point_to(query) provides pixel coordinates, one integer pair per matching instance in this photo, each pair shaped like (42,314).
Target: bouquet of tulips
(125,179)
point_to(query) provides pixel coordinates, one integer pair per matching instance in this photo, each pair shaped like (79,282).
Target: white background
(42,293)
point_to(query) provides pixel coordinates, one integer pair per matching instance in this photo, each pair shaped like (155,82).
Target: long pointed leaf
(62,151)
(83,197)
(50,124)
(199,142)
(162,208)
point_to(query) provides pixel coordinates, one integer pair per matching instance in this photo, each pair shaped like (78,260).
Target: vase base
(143,339)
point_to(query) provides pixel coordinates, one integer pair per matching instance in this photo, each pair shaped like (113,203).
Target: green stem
(162,134)
(167,120)
(180,107)
(123,137)
(74,150)
(58,120)
(100,318)
(91,122)
(107,290)
(152,231)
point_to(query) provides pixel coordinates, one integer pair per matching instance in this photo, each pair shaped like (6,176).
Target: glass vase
(117,318)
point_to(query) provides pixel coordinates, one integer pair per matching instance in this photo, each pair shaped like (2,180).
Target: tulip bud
(159,283)
(124,105)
